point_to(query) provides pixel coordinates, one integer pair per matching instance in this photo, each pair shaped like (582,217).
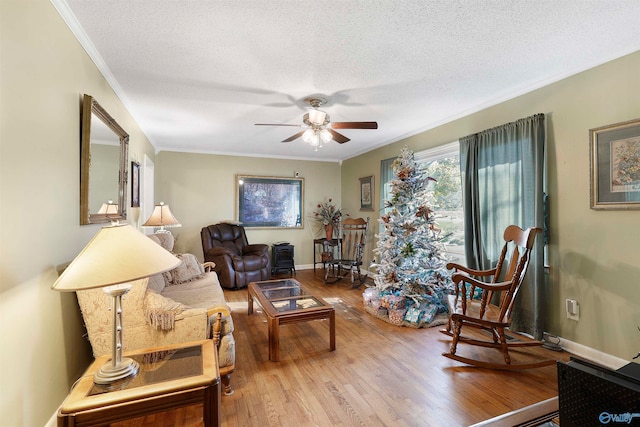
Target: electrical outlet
(573,309)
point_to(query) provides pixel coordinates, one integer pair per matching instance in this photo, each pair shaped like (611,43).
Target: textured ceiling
(197,75)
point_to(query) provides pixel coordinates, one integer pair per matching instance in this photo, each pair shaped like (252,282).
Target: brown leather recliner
(237,262)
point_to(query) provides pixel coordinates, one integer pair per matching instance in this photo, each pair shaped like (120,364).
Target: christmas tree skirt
(439,319)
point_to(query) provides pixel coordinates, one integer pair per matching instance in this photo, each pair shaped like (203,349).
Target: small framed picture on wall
(615,166)
(366,193)
(135,184)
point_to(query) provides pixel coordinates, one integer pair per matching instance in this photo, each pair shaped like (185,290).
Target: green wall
(594,256)
(201,190)
(45,72)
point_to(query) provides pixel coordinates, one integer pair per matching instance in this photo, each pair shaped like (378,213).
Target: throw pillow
(156,283)
(189,269)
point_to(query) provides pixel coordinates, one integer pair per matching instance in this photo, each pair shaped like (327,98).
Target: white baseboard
(593,355)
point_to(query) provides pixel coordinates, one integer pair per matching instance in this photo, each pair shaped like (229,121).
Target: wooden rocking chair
(471,305)
(352,238)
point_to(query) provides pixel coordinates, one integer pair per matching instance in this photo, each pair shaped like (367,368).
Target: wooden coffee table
(169,377)
(286,301)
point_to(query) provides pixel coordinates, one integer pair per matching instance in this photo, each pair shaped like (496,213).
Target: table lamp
(116,256)
(162,217)
(109,208)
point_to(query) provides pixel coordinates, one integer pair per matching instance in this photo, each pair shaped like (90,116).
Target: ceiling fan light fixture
(325,135)
(307,136)
(317,126)
(317,117)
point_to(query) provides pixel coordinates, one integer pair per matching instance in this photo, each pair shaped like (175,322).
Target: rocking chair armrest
(461,277)
(500,286)
(457,278)
(470,271)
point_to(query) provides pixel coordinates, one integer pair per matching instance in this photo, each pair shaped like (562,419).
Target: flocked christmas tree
(412,266)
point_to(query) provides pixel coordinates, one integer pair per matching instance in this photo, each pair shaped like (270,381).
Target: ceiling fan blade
(276,124)
(338,137)
(292,137)
(354,125)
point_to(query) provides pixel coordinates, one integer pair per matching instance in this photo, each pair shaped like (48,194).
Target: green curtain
(503,183)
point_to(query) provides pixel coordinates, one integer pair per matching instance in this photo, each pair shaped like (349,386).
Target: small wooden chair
(471,305)
(352,237)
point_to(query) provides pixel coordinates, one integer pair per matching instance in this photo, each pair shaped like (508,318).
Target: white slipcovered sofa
(185,304)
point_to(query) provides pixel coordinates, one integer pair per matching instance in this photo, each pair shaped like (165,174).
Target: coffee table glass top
(288,295)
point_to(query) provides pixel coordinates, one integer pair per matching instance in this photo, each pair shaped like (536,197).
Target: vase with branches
(329,215)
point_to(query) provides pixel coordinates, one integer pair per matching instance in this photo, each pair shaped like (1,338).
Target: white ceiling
(197,75)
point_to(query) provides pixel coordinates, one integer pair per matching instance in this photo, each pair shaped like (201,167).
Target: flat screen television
(593,395)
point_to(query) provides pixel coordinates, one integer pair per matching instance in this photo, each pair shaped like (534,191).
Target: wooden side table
(327,251)
(170,377)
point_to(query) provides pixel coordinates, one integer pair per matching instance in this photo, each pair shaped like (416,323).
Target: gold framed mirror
(104,148)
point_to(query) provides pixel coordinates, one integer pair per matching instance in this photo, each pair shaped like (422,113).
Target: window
(443,164)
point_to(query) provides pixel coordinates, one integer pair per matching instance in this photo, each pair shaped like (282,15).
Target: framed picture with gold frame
(366,193)
(270,201)
(615,166)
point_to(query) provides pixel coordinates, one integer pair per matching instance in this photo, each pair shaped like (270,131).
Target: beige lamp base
(109,373)
(118,367)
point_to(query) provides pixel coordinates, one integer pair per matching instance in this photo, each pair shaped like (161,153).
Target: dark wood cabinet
(282,259)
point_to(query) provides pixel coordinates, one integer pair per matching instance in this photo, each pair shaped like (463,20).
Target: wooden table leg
(274,339)
(207,408)
(249,303)
(211,406)
(332,330)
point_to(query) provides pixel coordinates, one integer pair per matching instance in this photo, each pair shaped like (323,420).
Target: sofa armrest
(221,309)
(218,312)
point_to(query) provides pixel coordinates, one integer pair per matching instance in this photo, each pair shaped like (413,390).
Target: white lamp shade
(162,217)
(117,254)
(108,208)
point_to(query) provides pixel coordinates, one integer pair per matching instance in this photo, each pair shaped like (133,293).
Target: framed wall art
(273,202)
(135,184)
(366,193)
(615,166)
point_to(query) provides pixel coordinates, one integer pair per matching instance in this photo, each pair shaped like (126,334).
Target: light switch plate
(573,309)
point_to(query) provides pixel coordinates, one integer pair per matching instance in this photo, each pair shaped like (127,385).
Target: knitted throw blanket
(161,312)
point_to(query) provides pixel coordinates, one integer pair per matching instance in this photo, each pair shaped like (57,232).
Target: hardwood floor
(379,374)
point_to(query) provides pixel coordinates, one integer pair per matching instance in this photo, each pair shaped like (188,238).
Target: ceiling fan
(319,127)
